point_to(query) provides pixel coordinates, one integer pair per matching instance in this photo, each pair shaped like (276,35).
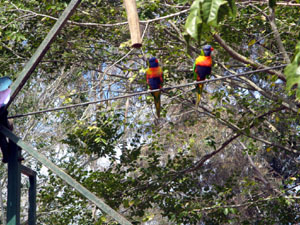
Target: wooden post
(134,23)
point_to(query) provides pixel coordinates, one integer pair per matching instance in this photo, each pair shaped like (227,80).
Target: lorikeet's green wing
(194,72)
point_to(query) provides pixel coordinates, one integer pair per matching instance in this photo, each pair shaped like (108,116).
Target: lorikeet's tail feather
(199,89)
(198,99)
(156,96)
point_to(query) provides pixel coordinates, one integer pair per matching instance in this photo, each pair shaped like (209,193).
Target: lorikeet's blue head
(153,62)
(207,49)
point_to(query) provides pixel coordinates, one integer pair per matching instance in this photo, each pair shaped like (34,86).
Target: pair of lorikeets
(201,69)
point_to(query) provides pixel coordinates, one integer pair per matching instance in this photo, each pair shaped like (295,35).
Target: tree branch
(200,163)
(208,156)
(277,35)
(245,204)
(243,59)
(271,19)
(269,95)
(103,25)
(257,171)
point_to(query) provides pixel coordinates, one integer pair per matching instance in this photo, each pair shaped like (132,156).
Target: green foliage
(207,13)
(97,137)
(292,72)
(157,171)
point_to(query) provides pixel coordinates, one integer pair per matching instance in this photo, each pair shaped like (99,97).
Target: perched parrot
(5,82)
(154,76)
(202,68)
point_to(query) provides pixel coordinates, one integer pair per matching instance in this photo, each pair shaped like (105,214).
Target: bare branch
(200,163)
(257,171)
(243,59)
(104,25)
(246,203)
(271,19)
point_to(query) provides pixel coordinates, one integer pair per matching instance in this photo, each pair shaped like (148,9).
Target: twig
(104,25)
(243,59)
(141,93)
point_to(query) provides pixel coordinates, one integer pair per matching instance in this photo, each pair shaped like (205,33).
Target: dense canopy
(232,160)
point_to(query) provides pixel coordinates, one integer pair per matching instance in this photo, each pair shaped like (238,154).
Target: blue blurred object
(5,82)
(4,97)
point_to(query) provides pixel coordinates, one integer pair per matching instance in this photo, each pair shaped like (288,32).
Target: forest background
(232,160)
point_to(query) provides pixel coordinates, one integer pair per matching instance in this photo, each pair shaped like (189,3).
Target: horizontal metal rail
(64,176)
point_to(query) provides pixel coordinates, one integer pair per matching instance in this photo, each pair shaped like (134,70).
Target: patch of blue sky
(24,43)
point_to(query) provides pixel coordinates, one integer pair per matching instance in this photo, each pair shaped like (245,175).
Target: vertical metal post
(67,178)
(32,194)
(14,184)
(32,201)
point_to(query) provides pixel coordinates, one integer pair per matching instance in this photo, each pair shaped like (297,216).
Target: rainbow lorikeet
(202,68)
(5,82)
(154,76)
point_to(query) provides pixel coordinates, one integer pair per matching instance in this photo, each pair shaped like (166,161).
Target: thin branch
(245,204)
(243,59)
(268,94)
(271,19)
(142,93)
(104,25)
(200,163)
(243,131)
(277,36)
(257,171)
(266,2)
(208,156)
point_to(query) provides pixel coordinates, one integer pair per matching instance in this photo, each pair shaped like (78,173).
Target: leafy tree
(232,160)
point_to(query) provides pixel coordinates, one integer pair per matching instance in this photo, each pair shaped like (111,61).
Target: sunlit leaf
(252,42)
(292,73)
(206,13)
(268,149)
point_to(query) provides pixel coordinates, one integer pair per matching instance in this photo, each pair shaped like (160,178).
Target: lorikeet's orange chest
(154,77)
(154,72)
(204,61)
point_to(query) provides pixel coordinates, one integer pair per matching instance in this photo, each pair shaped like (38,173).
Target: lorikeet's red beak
(211,49)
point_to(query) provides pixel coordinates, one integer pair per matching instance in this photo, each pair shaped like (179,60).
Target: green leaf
(232,7)
(252,42)
(292,73)
(207,13)
(194,20)
(214,9)
(226,211)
